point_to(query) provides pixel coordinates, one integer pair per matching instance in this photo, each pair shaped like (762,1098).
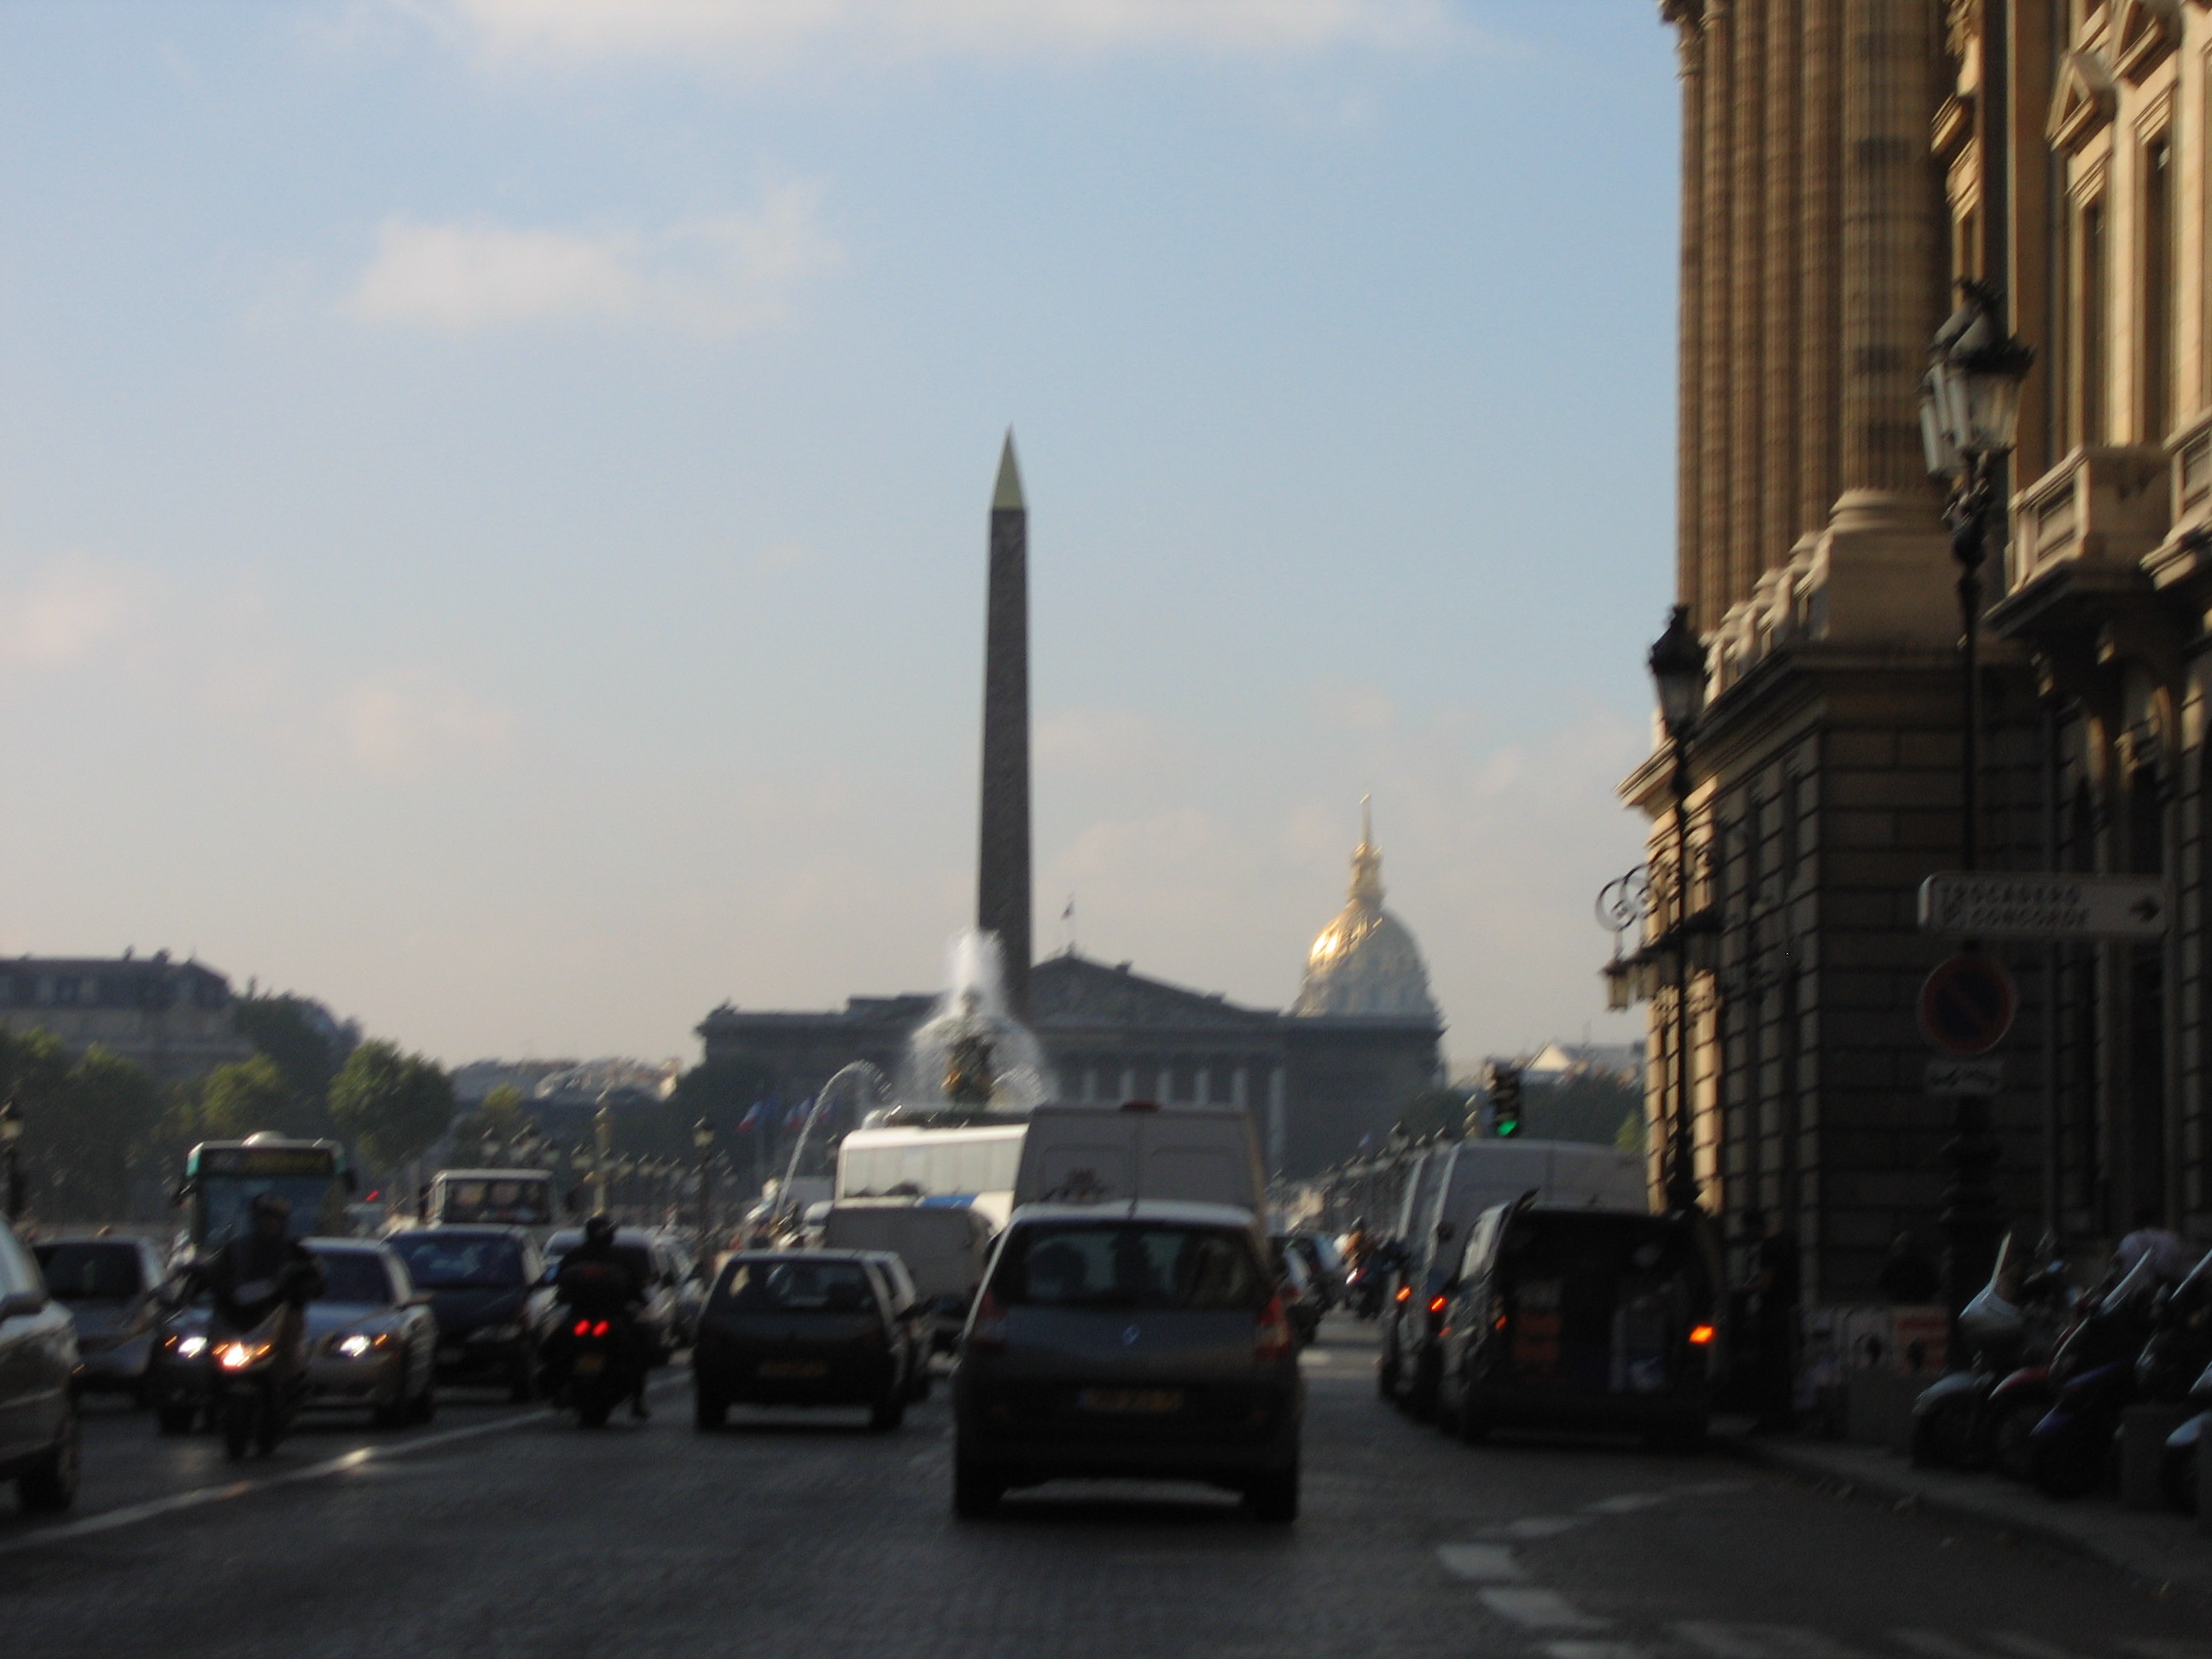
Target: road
(504,1531)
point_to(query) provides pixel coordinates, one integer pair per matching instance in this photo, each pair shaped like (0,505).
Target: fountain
(972,1060)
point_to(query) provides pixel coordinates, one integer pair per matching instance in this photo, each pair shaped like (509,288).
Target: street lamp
(702,1142)
(603,1146)
(11,1132)
(1969,416)
(1678,670)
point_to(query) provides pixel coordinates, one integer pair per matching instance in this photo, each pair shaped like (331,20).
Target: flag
(751,1119)
(799,1113)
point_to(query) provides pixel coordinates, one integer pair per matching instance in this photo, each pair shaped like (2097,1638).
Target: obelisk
(1002,879)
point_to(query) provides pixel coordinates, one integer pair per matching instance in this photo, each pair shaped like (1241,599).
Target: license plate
(590,1365)
(793,1368)
(1130,1401)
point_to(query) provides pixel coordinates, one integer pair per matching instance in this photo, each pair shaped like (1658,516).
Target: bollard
(2144,1430)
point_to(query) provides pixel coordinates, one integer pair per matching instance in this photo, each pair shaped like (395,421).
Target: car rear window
(801,1286)
(1129,1264)
(90,1272)
(1600,1249)
(448,1261)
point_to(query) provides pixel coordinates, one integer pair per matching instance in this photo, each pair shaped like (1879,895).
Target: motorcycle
(2011,1326)
(592,1368)
(256,1391)
(2095,1370)
(2178,1466)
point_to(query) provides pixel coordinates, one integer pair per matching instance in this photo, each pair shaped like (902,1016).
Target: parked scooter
(256,1390)
(2013,1323)
(2069,1448)
(2178,1466)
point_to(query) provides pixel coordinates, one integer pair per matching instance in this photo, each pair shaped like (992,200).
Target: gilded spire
(1367,860)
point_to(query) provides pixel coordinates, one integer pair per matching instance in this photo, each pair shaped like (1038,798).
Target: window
(2089,327)
(1129,1265)
(2158,290)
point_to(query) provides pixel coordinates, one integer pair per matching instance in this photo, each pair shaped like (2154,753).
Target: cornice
(2083,103)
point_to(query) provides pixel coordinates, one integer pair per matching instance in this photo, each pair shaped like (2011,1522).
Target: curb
(1900,1485)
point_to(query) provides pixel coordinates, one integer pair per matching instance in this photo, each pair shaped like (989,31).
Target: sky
(494,493)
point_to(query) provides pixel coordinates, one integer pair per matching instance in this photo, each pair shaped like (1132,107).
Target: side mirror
(420,1299)
(22,1304)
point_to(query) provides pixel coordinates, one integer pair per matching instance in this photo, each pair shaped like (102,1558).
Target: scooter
(2069,1448)
(253,1402)
(591,1367)
(2013,1324)
(2178,1465)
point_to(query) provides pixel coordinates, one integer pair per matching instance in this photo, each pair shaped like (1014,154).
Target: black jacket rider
(606,1288)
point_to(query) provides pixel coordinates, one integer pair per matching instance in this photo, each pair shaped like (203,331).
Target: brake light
(1436,1304)
(583,1328)
(1273,1340)
(601,1328)
(989,1329)
(1701,1335)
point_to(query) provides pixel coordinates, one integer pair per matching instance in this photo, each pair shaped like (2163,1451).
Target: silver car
(372,1338)
(1128,1340)
(117,1292)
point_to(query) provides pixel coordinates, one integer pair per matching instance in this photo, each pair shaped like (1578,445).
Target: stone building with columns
(1843,161)
(1335,1070)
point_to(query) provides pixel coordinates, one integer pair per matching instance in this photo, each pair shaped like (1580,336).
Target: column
(1167,1086)
(1819,244)
(1747,430)
(1777,526)
(1129,1083)
(1203,1086)
(1689,364)
(1717,260)
(1089,1083)
(1239,1087)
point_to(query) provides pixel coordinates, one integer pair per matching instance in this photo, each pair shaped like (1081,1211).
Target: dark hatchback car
(117,1292)
(1569,1318)
(1140,1340)
(802,1327)
(492,1312)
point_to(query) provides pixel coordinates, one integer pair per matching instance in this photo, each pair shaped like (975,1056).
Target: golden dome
(1365,961)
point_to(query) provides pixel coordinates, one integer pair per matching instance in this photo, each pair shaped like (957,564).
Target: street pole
(702,1142)
(603,1141)
(1682,1174)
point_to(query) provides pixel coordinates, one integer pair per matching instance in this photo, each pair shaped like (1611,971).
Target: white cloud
(68,611)
(399,722)
(718,276)
(587,29)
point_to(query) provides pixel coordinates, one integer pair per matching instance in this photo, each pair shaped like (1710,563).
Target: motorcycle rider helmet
(599,1230)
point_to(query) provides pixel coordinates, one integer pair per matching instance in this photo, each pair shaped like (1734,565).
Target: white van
(942,1245)
(1094,1154)
(1476,1174)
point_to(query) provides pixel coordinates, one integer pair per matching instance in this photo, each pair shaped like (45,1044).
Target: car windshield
(451,1262)
(90,1272)
(1129,1265)
(354,1276)
(800,1286)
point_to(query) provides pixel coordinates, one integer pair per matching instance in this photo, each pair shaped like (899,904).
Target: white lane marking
(1764,1642)
(2026,1646)
(1934,1644)
(1534,1526)
(1487,1563)
(1538,1609)
(1595,1651)
(131,1514)
(1627,1504)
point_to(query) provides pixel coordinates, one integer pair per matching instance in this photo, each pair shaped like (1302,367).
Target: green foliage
(391,1105)
(291,1032)
(88,1127)
(234,1100)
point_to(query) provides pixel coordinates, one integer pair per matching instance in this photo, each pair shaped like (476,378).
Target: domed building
(1365,961)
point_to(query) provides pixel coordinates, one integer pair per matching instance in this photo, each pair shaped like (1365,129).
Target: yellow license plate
(1131,1401)
(793,1368)
(590,1365)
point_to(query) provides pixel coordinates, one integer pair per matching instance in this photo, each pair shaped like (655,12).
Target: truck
(1098,1154)
(943,1243)
(510,1198)
(971,1164)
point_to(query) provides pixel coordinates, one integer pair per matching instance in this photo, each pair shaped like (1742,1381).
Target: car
(915,1318)
(487,1295)
(942,1245)
(689,1281)
(1140,1339)
(40,1444)
(372,1338)
(117,1292)
(803,1328)
(1574,1317)
(1300,1287)
(650,1263)
(1325,1263)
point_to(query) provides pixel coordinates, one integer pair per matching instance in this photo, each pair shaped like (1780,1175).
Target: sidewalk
(2162,1549)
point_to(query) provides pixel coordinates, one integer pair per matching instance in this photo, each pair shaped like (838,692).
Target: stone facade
(171,1018)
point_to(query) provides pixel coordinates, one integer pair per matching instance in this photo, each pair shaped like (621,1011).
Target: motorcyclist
(597,1283)
(259,1271)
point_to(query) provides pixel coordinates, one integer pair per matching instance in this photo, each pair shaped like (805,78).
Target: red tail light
(1436,1304)
(1701,1335)
(583,1328)
(601,1328)
(989,1329)
(1275,1341)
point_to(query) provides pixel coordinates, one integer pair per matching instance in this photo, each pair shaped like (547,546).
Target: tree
(391,1105)
(87,1126)
(306,1046)
(236,1100)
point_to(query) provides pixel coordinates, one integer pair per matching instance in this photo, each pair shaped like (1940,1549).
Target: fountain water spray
(971,1058)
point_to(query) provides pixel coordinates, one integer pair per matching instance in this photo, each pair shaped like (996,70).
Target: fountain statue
(971,1058)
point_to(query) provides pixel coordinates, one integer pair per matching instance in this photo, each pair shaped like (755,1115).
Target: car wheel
(1943,1435)
(888,1412)
(522,1383)
(1420,1401)
(51,1485)
(238,1415)
(1386,1374)
(1273,1498)
(173,1419)
(2009,1444)
(426,1403)
(976,1491)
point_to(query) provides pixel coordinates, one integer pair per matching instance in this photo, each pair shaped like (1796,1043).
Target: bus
(222,1177)
(513,1198)
(973,1165)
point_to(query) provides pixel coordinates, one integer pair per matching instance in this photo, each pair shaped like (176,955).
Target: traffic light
(1504,1100)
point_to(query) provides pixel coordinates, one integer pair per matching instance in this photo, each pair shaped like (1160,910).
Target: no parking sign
(1966,1006)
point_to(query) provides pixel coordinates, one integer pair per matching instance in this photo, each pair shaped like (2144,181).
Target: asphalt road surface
(504,1531)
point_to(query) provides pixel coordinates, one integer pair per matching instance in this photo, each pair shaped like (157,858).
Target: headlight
(360,1347)
(189,1347)
(237,1356)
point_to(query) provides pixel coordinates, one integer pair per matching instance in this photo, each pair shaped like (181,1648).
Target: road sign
(1965,1077)
(2046,907)
(1966,1006)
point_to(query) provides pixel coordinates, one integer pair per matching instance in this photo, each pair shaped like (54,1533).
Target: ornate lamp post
(1969,417)
(603,1148)
(1678,670)
(11,1134)
(702,1142)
